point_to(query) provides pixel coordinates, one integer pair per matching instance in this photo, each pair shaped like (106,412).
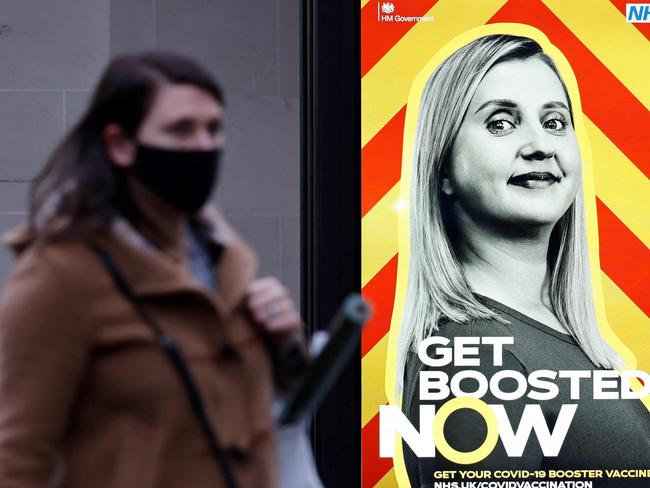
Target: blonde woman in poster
(499,253)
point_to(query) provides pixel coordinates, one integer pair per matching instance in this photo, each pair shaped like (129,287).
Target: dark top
(604,434)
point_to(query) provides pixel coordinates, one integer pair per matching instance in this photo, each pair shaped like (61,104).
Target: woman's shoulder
(45,296)
(481,334)
(478,338)
(64,257)
(46,267)
(480,327)
(26,243)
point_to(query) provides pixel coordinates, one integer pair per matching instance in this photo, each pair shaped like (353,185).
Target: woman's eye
(500,126)
(214,128)
(181,129)
(555,124)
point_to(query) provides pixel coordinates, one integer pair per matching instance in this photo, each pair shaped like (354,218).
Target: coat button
(239,453)
(228,352)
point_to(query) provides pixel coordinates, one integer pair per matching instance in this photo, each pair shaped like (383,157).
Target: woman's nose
(538,144)
(204,140)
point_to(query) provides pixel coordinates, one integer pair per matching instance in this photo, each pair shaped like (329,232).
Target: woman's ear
(445,180)
(120,148)
(446,186)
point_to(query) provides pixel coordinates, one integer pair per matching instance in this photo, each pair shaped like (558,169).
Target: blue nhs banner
(637,12)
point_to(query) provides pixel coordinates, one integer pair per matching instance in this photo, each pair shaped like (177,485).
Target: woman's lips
(534,179)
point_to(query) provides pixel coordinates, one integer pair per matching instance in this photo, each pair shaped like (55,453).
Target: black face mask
(183,179)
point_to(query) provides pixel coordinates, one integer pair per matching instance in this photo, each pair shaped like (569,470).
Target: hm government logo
(386,13)
(387,8)
(637,13)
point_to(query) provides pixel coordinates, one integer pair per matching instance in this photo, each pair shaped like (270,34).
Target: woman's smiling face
(515,160)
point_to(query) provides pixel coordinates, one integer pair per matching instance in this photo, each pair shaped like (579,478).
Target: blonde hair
(437,289)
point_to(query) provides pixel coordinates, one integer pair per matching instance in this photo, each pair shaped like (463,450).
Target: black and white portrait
(498,248)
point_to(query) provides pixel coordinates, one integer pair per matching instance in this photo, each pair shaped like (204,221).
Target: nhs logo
(637,13)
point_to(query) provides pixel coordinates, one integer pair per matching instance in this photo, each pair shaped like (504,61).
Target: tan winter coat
(88,398)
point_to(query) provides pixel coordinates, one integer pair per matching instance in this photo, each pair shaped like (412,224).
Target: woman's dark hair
(80,190)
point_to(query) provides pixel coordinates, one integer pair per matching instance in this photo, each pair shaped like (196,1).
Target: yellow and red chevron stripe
(611,61)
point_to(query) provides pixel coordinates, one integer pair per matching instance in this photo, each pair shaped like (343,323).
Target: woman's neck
(160,223)
(512,269)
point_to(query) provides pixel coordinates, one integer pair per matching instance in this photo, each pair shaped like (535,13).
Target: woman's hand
(273,309)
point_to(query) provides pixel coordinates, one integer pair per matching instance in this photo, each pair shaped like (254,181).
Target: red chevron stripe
(381,161)
(604,98)
(380,37)
(624,258)
(642,28)
(380,292)
(373,468)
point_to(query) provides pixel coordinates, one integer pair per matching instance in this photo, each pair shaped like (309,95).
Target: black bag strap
(177,359)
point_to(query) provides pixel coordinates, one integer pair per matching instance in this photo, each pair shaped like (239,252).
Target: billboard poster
(505,243)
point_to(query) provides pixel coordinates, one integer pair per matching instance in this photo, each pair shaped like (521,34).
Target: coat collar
(150,272)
